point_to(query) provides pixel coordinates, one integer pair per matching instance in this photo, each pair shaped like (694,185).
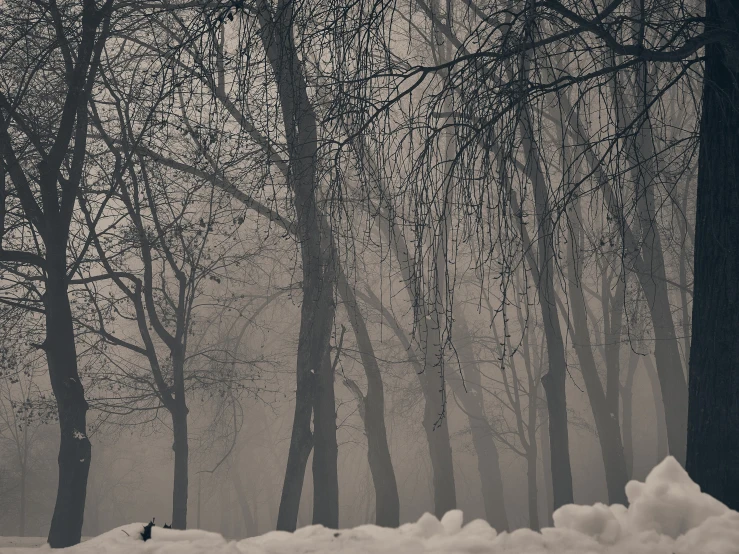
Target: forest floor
(667,514)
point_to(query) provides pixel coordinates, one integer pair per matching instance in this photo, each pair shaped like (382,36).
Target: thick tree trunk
(713,440)
(471,397)
(387,502)
(437,436)
(314,381)
(325,451)
(435,420)
(180,484)
(74,447)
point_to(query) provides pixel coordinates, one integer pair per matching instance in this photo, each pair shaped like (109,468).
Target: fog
(267,264)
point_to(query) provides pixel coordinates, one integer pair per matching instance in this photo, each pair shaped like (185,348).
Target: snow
(667,514)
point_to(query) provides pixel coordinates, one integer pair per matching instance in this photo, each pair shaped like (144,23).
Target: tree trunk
(661,424)
(180,485)
(314,386)
(532,489)
(435,420)
(649,263)
(325,451)
(22,508)
(546,462)
(74,448)
(555,379)
(243,501)
(627,399)
(713,441)
(387,502)
(606,422)
(471,397)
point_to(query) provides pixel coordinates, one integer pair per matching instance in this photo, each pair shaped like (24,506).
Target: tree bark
(180,484)
(325,451)
(387,501)
(713,441)
(74,448)
(314,386)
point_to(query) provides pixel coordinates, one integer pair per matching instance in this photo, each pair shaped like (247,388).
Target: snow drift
(667,514)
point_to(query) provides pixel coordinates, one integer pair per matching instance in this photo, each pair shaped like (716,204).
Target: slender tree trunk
(243,501)
(554,380)
(532,489)
(613,310)
(650,267)
(606,422)
(546,462)
(200,489)
(22,507)
(713,440)
(471,397)
(387,502)
(74,448)
(627,398)
(660,422)
(180,484)
(435,426)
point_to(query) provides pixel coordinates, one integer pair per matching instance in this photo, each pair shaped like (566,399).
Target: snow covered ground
(667,515)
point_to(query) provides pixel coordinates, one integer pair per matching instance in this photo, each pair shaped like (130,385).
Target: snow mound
(668,514)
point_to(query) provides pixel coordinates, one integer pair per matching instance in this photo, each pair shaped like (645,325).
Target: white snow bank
(667,515)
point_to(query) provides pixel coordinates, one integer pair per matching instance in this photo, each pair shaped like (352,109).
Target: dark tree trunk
(435,420)
(180,485)
(713,440)
(74,448)
(387,502)
(325,451)
(314,379)
(437,436)
(471,397)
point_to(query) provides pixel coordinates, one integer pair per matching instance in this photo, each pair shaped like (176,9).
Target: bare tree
(43,141)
